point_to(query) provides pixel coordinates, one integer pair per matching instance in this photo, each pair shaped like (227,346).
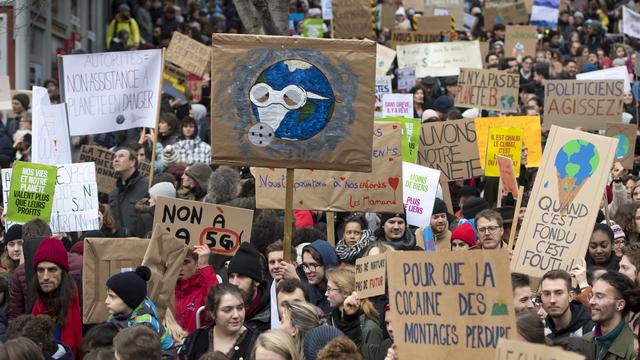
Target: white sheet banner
(111,91)
(51,144)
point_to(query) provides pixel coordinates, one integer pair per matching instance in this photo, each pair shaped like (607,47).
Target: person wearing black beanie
(394,231)
(440,225)
(245,272)
(12,244)
(129,305)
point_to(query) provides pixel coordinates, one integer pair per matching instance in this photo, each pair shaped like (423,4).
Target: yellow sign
(506,142)
(532,135)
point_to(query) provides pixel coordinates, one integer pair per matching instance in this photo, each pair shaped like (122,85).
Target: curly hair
(626,218)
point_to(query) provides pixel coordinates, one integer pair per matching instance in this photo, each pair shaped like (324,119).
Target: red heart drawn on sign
(394,126)
(300,202)
(342,178)
(272,169)
(393,182)
(390,158)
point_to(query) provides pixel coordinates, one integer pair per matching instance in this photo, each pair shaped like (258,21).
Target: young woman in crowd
(297,319)
(191,149)
(600,251)
(10,258)
(355,239)
(275,345)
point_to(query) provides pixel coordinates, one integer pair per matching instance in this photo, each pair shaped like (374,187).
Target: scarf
(605,341)
(253,307)
(70,333)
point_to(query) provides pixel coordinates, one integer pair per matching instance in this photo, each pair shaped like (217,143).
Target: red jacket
(191,294)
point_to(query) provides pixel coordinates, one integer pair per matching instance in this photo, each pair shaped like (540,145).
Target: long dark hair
(59,300)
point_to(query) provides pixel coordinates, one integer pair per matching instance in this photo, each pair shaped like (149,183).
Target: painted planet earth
(577,159)
(624,145)
(507,102)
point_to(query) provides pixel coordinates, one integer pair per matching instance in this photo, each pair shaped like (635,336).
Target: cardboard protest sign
(417,5)
(313,28)
(419,188)
(626,135)
(103,258)
(406,79)
(397,105)
(399,37)
(564,201)
(194,84)
(378,191)
(75,200)
(189,54)
(454,9)
(164,257)
(106,177)
(383,86)
(521,40)
(174,81)
(614,73)
(450,147)
(384,59)
(513,349)
(488,89)
(5,93)
(506,14)
(371,275)
(410,136)
(351,19)
(630,22)
(111,91)
(452,305)
(221,228)
(433,24)
(506,142)
(507,176)
(532,135)
(50,133)
(387,16)
(440,59)
(31,191)
(589,103)
(313,112)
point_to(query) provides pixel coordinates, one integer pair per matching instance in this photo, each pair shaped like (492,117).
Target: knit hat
(439,207)
(465,233)
(131,286)
(169,155)
(51,249)
(200,173)
(429,114)
(23,99)
(507,213)
(246,262)
(471,113)
(384,217)
(317,338)
(473,206)
(162,189)
(14,233)
(123,8)
(617,230)
(443,104)
(619,62)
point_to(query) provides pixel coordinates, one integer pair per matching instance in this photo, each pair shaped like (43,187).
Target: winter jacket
(198,343)
(3,326)
(144,221)
(130,25)
(580,324)
(370,331)
(193,151)
(190,295)
(408,241)
(63,352)
(376,351)
(122,200)
(260,318)
(620,349)
(147,315)
(349,254)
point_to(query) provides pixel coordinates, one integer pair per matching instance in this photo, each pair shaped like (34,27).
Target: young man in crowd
(131,186)
(279,270)
(566,317)
(522,293)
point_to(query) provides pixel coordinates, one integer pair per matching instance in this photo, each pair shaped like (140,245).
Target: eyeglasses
(491,229)
(310,267)
(291,97)
(600,296)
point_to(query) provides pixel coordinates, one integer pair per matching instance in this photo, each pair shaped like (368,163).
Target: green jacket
(621,348)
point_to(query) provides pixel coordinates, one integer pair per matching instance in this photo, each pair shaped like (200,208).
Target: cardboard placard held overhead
(419,188)
(507,176)
(383,86)
(626,135)
(488,89)
(613,73)
(103,258)
(31,191)
(296,102)
(5,93)
(384,59)
(417,5)
(451,8)
(532,135)
(515,14)
(221,228)
(506,142)
(513,349)
(450,147)
(174,81)
(50,129)
(371,275)
(397,105)
(589,103)
(352,19)
(399,37)
(410,136)
(103,158)
(440,59)
(564,201)
(377,191)
(313,28)
(451,305)
(387,16)
(433,24)
(406,79)
(189,54)
(521,40)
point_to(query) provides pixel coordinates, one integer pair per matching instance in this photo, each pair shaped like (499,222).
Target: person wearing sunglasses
(490,230)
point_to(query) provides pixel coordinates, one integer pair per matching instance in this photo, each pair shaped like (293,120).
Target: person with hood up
(191,149)
(129,305)
(402,23)
(246,273)
(317,258)
(194,182)
(393,230)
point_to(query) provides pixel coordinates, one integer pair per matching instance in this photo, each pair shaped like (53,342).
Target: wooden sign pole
(499,199)
(606,208)
(514,224)
(331,228)
(288,215)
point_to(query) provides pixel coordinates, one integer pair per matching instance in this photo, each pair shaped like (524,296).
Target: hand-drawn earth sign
(576,161)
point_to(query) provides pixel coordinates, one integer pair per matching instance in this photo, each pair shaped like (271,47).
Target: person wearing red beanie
(57,295)
(463,238)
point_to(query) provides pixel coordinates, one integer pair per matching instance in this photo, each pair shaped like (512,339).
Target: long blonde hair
(345,279)
(303,317)
(172,326)
(279,342)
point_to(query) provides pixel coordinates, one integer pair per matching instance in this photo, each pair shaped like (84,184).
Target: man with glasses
(566,317)
(612,338)
(489,226)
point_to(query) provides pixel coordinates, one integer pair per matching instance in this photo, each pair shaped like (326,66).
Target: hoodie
(580,324)
(329,260)
(190,295)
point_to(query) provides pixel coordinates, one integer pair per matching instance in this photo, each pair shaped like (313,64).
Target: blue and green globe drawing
(576,161)
(507,102)
(624,145)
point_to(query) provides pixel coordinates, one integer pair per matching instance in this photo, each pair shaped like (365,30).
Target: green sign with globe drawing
(488,90)
(626,136)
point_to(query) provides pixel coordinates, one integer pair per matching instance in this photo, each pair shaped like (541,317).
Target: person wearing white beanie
(165,189)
